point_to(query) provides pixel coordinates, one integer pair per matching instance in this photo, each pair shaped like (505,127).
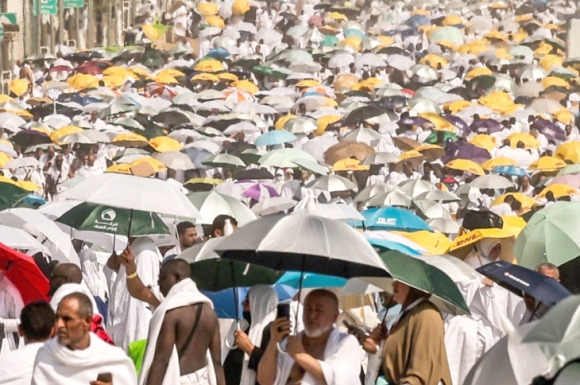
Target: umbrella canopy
(23,272)
(559,325)
(392,218)
(332,183)
(132,223)
(275,137)
(491,182)
(318,245)
(133,192)
(211,204)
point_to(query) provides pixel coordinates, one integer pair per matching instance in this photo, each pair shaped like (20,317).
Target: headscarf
(263,302)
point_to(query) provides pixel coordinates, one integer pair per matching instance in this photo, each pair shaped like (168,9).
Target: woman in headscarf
(414,350)
(484,251)
(259,311)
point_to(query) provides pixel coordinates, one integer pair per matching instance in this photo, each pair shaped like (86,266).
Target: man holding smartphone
(319,355)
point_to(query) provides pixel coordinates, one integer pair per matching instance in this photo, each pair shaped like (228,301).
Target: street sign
(74,3)
(8,18)
(47,7)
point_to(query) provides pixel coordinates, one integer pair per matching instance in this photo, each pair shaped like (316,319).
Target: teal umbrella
(310,280)
(422,276)
(112,220)
(329,41)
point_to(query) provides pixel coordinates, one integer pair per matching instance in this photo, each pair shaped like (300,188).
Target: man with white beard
(321,354)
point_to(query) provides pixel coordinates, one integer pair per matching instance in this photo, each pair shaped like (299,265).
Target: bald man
(183,333)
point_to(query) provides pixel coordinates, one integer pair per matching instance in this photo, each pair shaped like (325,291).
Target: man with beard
(319,355)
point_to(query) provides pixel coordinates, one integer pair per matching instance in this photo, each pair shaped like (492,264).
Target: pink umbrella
(315,21)
(570,180)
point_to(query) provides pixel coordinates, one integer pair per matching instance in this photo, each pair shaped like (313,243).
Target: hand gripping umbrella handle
(232,345)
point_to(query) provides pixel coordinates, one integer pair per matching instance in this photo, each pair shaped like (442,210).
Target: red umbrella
(23,272)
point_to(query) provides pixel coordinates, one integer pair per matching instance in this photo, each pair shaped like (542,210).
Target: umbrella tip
(310,206)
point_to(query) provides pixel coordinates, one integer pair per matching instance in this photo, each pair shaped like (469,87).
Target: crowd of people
(433,128)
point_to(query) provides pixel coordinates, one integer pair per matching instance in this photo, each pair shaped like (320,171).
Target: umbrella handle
(232,345)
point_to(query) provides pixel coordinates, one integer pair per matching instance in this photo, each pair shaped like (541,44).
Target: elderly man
(319,355)
(536,309)
(78,357)
(36,326)
(184,339)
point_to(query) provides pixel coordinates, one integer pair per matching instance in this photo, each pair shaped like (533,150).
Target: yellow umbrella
(462,245)
(5,98)
(547,163)
(526,201)
(240,7)
(120,169)
(434,60)
(215,21)
(497,101)
(83,81)
(139,72)
(28,185)
(528,140)
(564,116)
(420,11)
(353,42)
(4,158)
(458,106)
(66,130)
(451,20)
(498,6)
(209,65)
(279,125)
(228,76)
(519,36)
(154,163)
(151,32)
(165,143)
(549,61)
(308,83)
(436,243)
(569,151)
(205,77)
(207,9)
(496,35)
(492,163)
(559,190)
(246,86)
(513,224)
(115,70)
(543,49)
(113,81)
(478,72)
(349,165)
(165,79)
(325,121)
(553,81)
(440,123)
(335,16)
(410,154)
(385,41)
(370,83)
(502,53)
(171,72)
(466,165)
(211,181)
(431,151)
(446,44)
(130,139)
(473,49)
(19,87)
(483,141)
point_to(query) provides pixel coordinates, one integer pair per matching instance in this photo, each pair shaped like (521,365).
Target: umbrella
(11,194)
(224,160)
(395,197)
(347,149)
(549,236)
(260,191)
(359,115)
(415,187)
(491,182)
(211,204)
(332,183)
(310,280)
(23,272)
(392,218)
(133,192)
(318,245)
(175,160)
(275,137)
(518,280)
(559,325)
(99,218)
(440,196)
(510,170)
(273,205)
(420,275)
(284,158)
(444,225)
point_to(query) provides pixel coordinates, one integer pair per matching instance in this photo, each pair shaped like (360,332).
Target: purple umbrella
(485,126)
(464,150)
(549,129)
(260,191)
(456,121)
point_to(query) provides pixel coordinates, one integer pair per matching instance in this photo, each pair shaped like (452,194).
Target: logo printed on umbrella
(516,279)
(387,221)
(108,215)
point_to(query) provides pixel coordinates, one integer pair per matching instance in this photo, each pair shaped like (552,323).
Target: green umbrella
(329,41)
(112,220)
(10,195)
(550,236)
(432,139)
(223,160)
(485,81)
(572,169)
(420,275)
(212,273)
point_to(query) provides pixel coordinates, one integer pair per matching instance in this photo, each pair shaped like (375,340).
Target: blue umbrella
(224,303)
(510,170)
(218,53)
(310,280)
(197,156)
(275,137)
(416,21)
(390,245)
(355,32)
(33,199)
(393,218)
(519,279)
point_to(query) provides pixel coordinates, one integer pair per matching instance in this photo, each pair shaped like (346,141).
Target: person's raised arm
(215,350)
(163,350)
(268,366)
(134,285)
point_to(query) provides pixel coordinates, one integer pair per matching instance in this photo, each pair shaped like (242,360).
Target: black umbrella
(359,115)
(393,102)
(255,173)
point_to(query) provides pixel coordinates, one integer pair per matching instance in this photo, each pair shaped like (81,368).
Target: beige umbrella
(347,149)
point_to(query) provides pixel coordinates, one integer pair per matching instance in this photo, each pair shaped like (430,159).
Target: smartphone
(105,377)
(356,331)
(283,311)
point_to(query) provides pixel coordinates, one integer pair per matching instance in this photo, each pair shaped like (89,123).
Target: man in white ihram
(77,356)
(319,355)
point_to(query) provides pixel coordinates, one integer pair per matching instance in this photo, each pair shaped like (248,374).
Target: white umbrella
(211,204)
(44,230)
(415,187)
(20,240)
(341,60)
(454,267)
(381,234)
(133,192)
(380,158)
(438,196)
(77,137)
(371,191)
(22,162)
(336,211)
(395,197)
(363,135)
(433,210)
(355,286)
(273,205)
(444,225)
(318,146)
(332,183)
(371,60)
(491,181)
(175,160)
